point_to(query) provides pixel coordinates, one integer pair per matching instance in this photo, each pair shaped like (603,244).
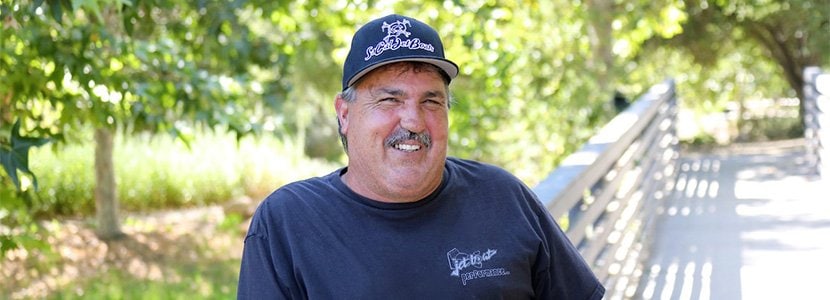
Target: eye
(433,102)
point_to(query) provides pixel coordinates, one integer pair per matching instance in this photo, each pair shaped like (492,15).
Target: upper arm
(560,271)
(262,272)
(257,275)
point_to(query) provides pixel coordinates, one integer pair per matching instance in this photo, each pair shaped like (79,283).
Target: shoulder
(486,182)
(310,189)
(294,200)
(479,171)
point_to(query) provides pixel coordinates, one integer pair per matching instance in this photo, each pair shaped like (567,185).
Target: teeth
(404,147)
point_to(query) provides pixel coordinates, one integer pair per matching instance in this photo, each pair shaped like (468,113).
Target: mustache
(401,135)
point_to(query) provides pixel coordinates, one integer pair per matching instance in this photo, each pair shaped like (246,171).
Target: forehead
(395,72)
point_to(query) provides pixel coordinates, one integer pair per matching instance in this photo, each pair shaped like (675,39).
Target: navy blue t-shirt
(481,235)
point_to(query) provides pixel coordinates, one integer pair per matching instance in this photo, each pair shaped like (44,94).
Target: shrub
(159,172)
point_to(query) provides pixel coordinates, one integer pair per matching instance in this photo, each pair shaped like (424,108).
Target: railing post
(816,120)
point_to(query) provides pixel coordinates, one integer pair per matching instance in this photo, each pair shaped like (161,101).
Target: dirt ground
(154,245)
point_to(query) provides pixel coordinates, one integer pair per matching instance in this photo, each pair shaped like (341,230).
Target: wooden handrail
(603,195)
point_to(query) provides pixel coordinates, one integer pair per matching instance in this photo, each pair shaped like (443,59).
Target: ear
(342,109)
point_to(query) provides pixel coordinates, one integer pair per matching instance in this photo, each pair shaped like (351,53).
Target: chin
(408,180)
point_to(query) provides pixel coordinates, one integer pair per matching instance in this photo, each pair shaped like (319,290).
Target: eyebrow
(399,92)
(392,91)
(434,94)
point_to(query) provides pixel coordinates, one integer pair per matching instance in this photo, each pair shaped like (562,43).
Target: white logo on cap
(393,40)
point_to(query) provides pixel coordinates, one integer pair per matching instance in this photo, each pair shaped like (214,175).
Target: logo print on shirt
(393,40)
(459,261)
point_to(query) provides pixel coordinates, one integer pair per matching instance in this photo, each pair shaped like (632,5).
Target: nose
(412,117)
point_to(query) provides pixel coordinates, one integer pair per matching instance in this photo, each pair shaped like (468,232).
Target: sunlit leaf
(15,157)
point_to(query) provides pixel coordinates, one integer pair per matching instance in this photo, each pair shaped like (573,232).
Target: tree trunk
(6,108)
(601,18)
(790,59)
(106,201)
(600,15)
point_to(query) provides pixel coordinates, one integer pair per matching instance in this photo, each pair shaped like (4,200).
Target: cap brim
(449,67)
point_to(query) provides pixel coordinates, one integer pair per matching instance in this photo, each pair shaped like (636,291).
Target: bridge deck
(745,223)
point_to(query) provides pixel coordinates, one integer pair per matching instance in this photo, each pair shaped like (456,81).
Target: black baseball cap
(394,38)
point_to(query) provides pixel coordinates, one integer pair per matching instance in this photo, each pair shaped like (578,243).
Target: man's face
(391,100)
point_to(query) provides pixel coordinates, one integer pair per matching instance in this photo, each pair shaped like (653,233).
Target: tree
(160,66)
(791,34)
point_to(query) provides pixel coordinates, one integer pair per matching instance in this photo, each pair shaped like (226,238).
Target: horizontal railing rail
(604,194)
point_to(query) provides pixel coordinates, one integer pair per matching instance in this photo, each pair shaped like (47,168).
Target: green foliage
(15,156)
(158,66)
(700,140)
(231,223)
(158,173)
(16,222)
(771,129)
(142,67)
(742,74)
(789,35)
(67,179)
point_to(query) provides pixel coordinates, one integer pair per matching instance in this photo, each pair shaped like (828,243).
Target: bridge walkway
(747,222)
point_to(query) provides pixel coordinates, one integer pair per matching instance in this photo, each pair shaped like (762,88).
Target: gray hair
(350,96)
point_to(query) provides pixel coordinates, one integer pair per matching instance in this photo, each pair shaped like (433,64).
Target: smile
(407,148)
(408,141)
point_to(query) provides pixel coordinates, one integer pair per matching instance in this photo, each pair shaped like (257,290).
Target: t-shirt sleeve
(560,271)
(257,279)
(257,274)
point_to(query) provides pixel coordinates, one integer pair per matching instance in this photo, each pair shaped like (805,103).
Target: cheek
(372,127)
(439,125)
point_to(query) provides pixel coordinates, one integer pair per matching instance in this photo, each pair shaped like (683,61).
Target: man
(402,220)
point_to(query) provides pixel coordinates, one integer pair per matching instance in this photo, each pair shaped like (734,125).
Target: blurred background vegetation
(115,108)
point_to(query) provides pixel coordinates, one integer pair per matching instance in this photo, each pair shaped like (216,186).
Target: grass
(158,172)
(177,254)
(216,280)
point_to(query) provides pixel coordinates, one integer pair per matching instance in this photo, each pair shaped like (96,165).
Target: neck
(380,194)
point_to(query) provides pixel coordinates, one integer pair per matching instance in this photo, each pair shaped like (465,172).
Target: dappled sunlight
(158,246)
(738,220)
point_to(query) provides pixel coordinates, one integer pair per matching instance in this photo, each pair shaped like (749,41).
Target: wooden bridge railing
(817,119)
(604,195)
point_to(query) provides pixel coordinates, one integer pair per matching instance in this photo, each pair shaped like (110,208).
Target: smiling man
(396,129)
(403,220)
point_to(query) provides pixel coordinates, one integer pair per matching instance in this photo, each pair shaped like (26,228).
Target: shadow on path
(170,247)
(743,223)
